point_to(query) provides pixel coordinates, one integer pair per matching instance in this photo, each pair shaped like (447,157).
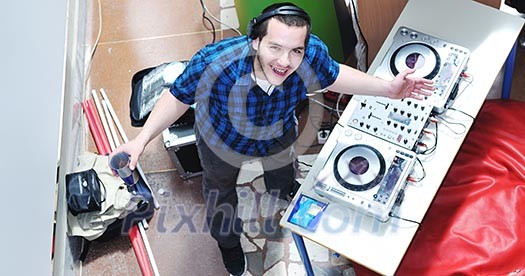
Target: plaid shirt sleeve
(185,86)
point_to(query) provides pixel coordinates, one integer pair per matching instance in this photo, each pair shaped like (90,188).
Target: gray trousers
(219,181)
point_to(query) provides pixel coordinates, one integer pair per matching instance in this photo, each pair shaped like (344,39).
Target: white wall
(31,83)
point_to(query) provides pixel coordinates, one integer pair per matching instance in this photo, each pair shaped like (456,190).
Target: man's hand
(404,86)
(133,148)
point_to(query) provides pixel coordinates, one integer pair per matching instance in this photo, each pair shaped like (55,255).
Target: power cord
(412,179)
(217,20)
(392,215)
(204,10)
(448,123)
(399,200)
(461,111)
(468,78)
(430,150)
(304,163)
(331,109)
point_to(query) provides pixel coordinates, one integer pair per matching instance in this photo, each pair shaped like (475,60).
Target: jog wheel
(359,167)
(419,56)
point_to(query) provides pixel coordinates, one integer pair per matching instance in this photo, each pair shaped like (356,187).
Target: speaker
(252,29)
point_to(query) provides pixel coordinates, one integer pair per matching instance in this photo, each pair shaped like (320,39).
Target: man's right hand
(166,111)
(133,148)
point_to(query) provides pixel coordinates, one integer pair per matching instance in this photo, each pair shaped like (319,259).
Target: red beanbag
(476,223)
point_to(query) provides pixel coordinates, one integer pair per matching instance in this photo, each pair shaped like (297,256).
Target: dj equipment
(433,59)
(365,173)
(396,121)
(401,121)
(253,31)
(376,150)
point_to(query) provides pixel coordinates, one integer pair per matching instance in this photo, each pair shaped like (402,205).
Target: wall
(322,13)
(67,249)
(32,56)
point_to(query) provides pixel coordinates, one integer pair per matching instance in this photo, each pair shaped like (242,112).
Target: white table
(490,35)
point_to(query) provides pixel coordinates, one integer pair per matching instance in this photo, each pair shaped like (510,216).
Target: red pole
(99,136)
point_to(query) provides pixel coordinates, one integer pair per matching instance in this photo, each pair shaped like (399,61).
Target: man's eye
(298,51)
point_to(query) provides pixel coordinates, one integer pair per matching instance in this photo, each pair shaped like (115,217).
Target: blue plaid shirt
(232,111)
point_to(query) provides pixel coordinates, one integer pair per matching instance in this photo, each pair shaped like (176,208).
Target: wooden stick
(103,118)
(114,115)
(114,135)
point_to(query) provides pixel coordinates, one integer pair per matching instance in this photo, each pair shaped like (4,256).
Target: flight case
(179,141)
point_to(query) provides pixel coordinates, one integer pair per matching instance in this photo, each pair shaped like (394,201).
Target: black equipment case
(179,141)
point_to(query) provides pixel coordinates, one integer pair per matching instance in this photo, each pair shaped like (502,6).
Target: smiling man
(246,89)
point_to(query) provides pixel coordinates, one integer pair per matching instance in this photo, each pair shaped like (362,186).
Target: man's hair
(287,13)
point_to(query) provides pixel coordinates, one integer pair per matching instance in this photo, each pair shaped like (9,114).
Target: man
(245,90)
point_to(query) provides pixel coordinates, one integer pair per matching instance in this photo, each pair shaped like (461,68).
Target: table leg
(299,243)
(509,70)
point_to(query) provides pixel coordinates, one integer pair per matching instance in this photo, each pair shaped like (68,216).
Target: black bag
(145,210)
(147,86)
(84,192)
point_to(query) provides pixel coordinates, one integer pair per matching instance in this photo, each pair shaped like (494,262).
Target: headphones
(252,31)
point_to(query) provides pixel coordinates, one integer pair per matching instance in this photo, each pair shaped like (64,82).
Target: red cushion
(476,224)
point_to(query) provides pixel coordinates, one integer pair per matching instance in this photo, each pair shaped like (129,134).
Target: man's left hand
(404,86)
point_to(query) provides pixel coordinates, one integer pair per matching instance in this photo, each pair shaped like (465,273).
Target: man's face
(280,52)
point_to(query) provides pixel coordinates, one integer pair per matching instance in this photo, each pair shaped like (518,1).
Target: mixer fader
(397,121)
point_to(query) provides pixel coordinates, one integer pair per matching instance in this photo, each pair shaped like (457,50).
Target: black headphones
(252,31)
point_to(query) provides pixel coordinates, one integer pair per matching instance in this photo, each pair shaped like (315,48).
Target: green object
(322,13)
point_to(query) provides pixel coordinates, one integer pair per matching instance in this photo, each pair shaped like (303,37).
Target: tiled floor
(137,34)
